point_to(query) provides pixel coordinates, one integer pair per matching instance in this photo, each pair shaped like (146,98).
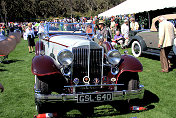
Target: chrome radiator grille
(87,63)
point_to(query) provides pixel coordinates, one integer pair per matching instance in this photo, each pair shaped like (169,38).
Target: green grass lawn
(17,101)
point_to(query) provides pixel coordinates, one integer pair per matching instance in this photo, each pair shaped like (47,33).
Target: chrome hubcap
(136,49)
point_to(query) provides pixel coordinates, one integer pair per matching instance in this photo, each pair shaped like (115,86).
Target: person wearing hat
(125,32)
(134,25)
(30,36)
(103,32)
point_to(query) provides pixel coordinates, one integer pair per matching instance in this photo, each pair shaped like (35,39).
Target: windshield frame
(65,28)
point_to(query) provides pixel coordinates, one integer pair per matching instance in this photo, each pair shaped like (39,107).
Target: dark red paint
(44,65)
(38,47)
(130,64)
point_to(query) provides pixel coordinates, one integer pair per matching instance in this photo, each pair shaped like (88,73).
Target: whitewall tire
(136,49)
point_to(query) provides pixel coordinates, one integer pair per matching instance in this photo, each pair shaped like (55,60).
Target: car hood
(70,40)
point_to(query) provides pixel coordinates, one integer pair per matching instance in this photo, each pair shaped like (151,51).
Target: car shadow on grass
(10,61)
(147,100)
(1,70)
(109,109)
(153,57)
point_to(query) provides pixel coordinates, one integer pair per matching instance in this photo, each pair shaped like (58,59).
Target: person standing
(117,25)
(125,32)
(112,26)
(41,27)
(134,25)
(166,38)
(30,36)
(103,32)
(3,30)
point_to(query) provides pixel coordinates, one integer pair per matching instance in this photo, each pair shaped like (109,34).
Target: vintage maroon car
(69,67)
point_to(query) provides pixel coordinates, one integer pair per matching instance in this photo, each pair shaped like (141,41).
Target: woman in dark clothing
(30,37)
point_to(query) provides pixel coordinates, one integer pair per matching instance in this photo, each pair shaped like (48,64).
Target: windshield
(67,28)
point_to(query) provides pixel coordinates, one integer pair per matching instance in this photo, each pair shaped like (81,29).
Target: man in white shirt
(134,25)
(125,32)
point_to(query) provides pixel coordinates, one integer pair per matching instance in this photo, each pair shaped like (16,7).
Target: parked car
(147,41)
(69,67)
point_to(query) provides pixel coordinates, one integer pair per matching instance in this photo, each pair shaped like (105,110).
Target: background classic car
(69,67)
(147,41)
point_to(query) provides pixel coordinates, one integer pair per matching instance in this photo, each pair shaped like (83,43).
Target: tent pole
(149,19)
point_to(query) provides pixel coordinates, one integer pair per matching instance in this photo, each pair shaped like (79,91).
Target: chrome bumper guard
(117,95)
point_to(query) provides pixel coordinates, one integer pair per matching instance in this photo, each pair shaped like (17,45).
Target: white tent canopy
(136,6)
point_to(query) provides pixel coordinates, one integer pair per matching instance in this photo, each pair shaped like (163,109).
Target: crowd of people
(110,27)
(112,30)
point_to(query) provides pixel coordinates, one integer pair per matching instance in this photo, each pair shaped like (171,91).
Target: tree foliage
(28,10)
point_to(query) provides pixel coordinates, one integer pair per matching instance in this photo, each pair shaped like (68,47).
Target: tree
(21,10)
(4,11)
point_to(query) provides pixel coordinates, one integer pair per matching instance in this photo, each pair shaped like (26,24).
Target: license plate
(100,97)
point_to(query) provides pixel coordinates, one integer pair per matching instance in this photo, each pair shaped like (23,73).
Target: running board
(156,54)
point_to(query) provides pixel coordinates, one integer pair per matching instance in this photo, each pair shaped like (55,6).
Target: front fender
(43,65)
(140,40)
(130,64)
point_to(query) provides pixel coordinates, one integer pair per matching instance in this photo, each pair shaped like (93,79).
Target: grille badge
(76,81)
(96,80)
(113,80)
(86,80)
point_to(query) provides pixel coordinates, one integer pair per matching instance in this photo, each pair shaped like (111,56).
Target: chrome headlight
(114,57)
(65,57)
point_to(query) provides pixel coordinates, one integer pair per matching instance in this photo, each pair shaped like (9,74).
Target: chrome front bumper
(117,95)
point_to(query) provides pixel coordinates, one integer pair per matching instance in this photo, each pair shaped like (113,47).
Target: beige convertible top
(167,16)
